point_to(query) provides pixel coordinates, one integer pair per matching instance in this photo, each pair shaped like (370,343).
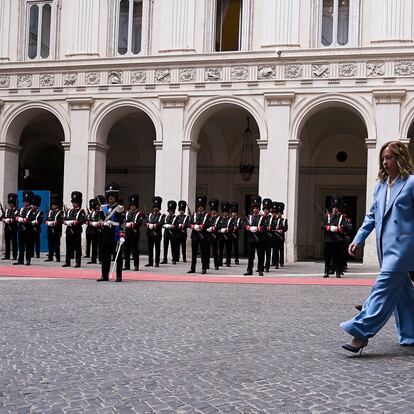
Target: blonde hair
(404,161)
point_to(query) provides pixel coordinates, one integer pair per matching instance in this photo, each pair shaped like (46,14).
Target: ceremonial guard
(236,225)
(154,232)
(74,218)
(133,223)
(37,224)
(25,217)
(182,223)
(89,228)
(213,233)
(225,231)
(280,231)
(94,231)
(8,217)
(333,228)
(54,223)
(254,237)
(267,233)
(200,222)
(169,226)
(113,235)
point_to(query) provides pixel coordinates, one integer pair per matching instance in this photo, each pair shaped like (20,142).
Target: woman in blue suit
(392,216)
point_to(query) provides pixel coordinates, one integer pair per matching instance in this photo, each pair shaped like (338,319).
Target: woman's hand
(352,249)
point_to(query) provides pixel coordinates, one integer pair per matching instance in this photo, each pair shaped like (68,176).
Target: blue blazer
(394,225)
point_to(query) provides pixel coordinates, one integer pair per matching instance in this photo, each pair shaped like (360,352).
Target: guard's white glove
(7,220)
(129,225)
(253,229)
(223,230)
(150,226)
(121,240)
(210,229)
(334,229)
(181,226)
(107,224)
(21,219)
(94,224)
(197,227)
(50,223)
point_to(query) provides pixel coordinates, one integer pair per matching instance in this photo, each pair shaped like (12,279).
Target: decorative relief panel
(115,77)
(162,76)
(266,72)
(375,69)
(69,78)
(347,70)
(214,74)
(24,81)
(4,81)
(92,78)
(47,80)
(239,73)
(293,71)
(320,71)
(404,68)
(138,76)
(187,75)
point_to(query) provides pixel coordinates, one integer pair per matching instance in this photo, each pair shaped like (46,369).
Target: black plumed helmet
(28,196)
(182,205)
(201,201)
(225,206)
(267,203)
(234,207)
(37,200)
(76,197)
(256,201)
(156,202)
(133,199)
(171,206)
(12,198)
(214,204)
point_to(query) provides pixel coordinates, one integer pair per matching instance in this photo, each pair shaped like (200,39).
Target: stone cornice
(388,96)
(77,104)
(6,146)
(173,101)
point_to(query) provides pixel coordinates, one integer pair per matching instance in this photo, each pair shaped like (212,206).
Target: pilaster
(5,8)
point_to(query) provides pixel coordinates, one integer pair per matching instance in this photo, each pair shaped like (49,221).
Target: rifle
(323,213)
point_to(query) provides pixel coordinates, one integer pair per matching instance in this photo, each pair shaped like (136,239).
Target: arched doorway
(410,136)
(332,161)
(41,159)
(221,140)
(130,160)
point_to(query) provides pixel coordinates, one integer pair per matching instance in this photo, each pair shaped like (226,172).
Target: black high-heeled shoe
(355,349)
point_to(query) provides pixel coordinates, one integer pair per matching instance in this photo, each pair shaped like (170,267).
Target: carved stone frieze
(92,78)
(162,76)
(115,77)
(24,81)
(320,71)
(239,73)
(4,81)
(187,75)
(375,69)
(404,68)
(138,76)
(293,71)
(266,72)
(347,70)
(214,74)
(69,78)
(47,80)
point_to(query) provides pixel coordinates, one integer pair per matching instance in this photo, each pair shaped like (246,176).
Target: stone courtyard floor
(73,345)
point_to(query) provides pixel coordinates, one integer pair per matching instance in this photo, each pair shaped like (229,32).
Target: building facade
(157,94)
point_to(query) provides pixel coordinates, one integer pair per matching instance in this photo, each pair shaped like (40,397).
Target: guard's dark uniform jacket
(54,221)
(10,232)
(333,228)
(255,242)
(181,224)
(199,224)
(133,223)
(25,217)
(225,236)
(154,235)
(74,219)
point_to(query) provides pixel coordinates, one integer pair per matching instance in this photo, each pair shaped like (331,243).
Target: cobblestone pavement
(70,346)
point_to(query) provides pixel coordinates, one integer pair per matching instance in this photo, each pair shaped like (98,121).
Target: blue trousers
(393,292)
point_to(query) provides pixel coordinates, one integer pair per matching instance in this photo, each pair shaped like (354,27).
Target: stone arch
(308,107)
(408,119)
(203,110)
(109,113)
(17,117)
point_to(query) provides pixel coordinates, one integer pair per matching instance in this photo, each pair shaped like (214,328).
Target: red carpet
(59,273)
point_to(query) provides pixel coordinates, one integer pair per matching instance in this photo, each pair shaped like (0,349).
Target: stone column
(5,8)
(189,172)
(281,23)
(83,27)
(76,150)
(391,21)
(168,169)
(292,200)
(96,168)
(177,26)
(276,153)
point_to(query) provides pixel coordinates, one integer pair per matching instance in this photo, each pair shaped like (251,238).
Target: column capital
(279,99)
(98,146)
(76,104)
(173,101)
(370,142)
(65,145)
(157,144)
(294,144)
(262,143)
(388,97)
(190,145)
(6,146)
(1,104)
(405,141)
